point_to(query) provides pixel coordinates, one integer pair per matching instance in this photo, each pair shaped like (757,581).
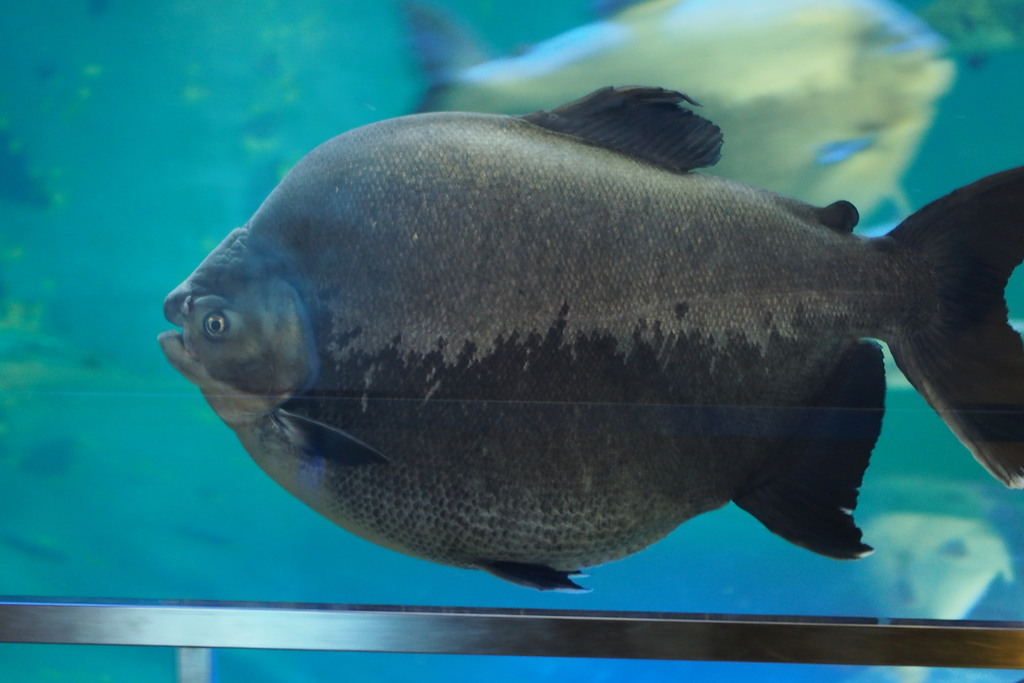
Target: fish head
(245,339)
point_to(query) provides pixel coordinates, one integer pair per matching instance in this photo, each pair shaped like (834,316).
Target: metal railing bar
(195,665)
(523,632)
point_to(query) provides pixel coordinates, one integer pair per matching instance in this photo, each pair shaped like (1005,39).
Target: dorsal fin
(644,123)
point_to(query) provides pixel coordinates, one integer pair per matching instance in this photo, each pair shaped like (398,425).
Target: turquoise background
(149,130)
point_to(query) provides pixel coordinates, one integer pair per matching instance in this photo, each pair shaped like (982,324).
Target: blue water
(154,128)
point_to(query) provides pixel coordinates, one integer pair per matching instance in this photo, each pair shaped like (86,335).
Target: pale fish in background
(977,27)
(934,566)
(817,99)
(942,549)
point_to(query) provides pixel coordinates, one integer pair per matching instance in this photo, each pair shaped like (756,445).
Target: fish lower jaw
(176,336)
(172,343)
(236,408)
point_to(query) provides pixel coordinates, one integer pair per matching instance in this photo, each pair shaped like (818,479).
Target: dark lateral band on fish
(512,416)
(533,344)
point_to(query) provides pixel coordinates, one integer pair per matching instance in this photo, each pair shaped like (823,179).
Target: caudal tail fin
(968,362)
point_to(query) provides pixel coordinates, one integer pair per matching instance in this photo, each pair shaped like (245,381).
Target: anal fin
(811,505)
(536,576)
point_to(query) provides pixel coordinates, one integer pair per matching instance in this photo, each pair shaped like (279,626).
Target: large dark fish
(533,344)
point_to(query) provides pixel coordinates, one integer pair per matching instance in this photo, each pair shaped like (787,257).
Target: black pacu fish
(533,344)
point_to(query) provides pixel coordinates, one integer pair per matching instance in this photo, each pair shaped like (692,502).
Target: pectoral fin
(324,441)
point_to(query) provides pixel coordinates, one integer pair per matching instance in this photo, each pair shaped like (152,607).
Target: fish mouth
(172,342)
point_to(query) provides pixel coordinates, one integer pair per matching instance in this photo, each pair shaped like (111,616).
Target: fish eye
(215,324)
